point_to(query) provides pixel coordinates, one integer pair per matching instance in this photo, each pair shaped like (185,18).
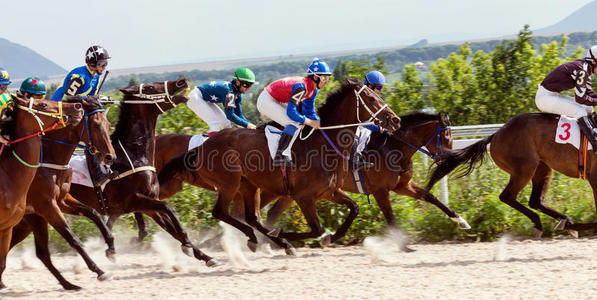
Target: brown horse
(393,170)
(136,189)
(321,163)
(52,182)
(534,158)
(19,162)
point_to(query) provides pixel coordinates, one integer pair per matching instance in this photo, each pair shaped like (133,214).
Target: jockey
(33,87)
(575,74)
(280,100)
(204,99)
(375,81)
(84,80)
(5,100)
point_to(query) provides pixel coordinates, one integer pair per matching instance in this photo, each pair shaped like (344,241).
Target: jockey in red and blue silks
(375,80)
(84,80)
(280,100)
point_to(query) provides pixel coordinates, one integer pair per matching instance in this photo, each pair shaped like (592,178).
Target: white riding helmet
(592,53)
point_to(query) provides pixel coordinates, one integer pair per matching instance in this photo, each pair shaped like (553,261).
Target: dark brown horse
(136,189)
(393,169)
(20,162)
(534,158)
(52,182)
(225,160)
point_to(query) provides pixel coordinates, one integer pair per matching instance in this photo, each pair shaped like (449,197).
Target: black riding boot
(99,174)
(589,129)
(357,160)
(280,159)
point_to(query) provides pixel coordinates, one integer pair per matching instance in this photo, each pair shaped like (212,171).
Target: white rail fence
(465,136)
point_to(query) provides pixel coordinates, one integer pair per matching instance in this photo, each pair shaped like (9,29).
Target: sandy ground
(527,269)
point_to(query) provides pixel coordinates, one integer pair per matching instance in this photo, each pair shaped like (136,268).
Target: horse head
(95,131)
(166,95)
(371,107)
(44,114)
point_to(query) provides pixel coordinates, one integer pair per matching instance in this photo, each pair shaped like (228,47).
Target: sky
(150,32)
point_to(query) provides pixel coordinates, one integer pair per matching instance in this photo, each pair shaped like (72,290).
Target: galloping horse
(534,157)
(136,188)
(18,163)
(52,182)
(393,170)
(233,154)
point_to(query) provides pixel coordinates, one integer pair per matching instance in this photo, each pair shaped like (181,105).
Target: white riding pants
(556,103)
(209,112)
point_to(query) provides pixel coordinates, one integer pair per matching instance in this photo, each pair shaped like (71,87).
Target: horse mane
(122,125)
(335,97)
(418,117)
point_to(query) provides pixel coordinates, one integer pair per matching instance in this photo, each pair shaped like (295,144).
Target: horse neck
(58,153)
(28,150)
(342,138)
(416,135)
(138,134)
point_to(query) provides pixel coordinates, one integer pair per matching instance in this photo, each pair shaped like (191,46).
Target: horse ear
(129,89)
(352,81)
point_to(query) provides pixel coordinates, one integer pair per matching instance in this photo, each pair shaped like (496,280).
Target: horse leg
(571,227)
(74,207)
(307,206)
(382,197)
(5,237)
(253,218)
(510,193)
(111,221)
(165,216)
(220,212)
(541,181)
(40,232)
(341,198)
(411,189)
(56,219)
(142,228)
(274,213)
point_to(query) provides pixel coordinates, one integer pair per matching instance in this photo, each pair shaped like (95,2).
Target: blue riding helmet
(4,77)
(319,67)
(375,78)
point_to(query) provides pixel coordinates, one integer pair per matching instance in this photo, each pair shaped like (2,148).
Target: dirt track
(554,269)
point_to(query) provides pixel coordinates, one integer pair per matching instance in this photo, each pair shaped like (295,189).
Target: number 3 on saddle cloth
(568,132)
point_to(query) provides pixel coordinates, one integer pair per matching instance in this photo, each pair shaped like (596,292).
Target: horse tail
(472,155)
(179,166)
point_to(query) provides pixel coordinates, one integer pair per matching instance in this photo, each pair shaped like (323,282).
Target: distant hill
(584,19)
(22,62)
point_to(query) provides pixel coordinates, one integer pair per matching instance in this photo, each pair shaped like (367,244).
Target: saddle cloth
(196,141)
(80,171)
(568,132)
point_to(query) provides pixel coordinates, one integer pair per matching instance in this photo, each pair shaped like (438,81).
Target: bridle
(438,142)
(155,98)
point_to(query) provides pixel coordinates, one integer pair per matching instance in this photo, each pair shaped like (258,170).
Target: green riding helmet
(244,74)
(33,85)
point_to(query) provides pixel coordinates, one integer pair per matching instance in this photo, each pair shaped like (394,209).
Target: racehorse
(52,182)
(534,157)
(136,188)
(393,169)
(20,161)
(233,154)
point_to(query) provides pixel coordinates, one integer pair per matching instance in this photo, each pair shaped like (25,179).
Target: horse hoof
(407,249)
(111,255)
(561,225)
(187,250)
(326,239)
(212,263)
(462,223)
(537,233)
(104,277)
(275,232)
(573,233)
(252,246)
(71,287)
(291,251)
